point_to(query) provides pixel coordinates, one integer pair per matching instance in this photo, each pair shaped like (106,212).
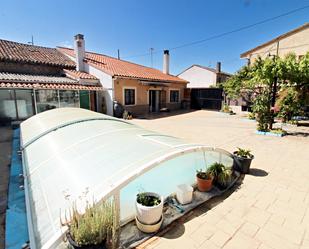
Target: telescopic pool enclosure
(69,151)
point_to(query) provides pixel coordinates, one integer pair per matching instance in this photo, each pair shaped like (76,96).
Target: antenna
(31,42)
(151,56)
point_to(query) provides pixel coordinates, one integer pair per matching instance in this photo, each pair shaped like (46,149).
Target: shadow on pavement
(258,172)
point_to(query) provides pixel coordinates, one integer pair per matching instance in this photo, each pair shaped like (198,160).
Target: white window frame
(169,95)
(123,95)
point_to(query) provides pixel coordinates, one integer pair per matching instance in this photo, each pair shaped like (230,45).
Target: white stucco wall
(106,81)
(198,77)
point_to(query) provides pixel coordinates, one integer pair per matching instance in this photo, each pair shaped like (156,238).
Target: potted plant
(224,178)
(90,229)
(215,170)
(149,207)
(242,159)
(204,180)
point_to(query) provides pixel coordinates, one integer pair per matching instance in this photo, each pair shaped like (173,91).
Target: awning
(155,83)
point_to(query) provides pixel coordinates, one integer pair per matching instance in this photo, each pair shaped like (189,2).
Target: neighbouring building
(34,79)
(203,87)
(295,41)
(137,88)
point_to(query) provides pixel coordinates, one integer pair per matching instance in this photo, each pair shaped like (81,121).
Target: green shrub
(243,153)
(93,226)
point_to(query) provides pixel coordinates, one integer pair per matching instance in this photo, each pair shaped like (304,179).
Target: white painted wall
(198,77)
(106,81)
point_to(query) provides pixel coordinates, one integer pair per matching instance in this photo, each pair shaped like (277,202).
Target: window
(46,100)
(7,104)
(129,96)
(174,96)
(69,98)
(25,103)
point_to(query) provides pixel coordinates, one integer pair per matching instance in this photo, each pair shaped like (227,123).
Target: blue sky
(135,26)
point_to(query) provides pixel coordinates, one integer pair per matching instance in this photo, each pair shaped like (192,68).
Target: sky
(135,26)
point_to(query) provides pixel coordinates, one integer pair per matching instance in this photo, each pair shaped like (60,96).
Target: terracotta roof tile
(121,68)
(79,75)
(19,52)
(15,77)
(49,86)
(12,80)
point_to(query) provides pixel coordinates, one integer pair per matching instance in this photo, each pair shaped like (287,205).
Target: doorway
(154,100)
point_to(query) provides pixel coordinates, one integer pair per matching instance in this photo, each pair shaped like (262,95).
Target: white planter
(149,228)
(184,193)
(149,215)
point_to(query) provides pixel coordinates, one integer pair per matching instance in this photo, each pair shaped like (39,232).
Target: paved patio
(271,207)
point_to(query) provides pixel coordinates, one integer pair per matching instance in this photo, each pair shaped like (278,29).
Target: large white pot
(149,215)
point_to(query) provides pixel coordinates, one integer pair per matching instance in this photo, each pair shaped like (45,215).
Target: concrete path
(271,207)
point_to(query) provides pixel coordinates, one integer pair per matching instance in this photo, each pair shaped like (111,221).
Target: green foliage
(94,225)
(225,177)
(148,200)
(259,78)
(251,115)
(225,108)
(289,104)
(261,107)
(206,175)
(216,169)
(243,153)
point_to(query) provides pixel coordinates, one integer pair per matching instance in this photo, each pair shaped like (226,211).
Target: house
(203,87)
(294,41)
(137,88)
(34,79)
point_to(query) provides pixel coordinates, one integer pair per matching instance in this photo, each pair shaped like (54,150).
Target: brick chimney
(218,67)
(166,62)
(79,48)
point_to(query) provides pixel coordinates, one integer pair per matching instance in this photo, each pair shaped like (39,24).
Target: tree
(265,79)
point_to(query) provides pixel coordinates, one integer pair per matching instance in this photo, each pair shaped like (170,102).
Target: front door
(154,100)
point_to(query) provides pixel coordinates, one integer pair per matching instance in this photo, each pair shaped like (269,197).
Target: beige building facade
(141,97)
(295,41)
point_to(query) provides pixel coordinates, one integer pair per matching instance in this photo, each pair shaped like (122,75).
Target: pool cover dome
(69,151)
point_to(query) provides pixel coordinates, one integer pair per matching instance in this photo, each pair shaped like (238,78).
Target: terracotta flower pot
(204,185)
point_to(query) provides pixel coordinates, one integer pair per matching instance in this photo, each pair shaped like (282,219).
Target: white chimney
(79,47)
(166,62)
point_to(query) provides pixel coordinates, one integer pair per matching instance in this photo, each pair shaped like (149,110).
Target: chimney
(218,67)
(79,47)
(166,62)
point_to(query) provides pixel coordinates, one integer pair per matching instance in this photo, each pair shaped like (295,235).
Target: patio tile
(220,238)
(249,229)
(241,241)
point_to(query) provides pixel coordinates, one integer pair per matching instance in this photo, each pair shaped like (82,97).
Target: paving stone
(220,238)
(243,241)
(274,241)
(285,232)
(249,229)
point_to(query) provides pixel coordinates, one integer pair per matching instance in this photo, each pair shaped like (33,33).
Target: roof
(278,38)
(19,52)
(79,75)
(14,80)
(122,68)
(70,151)
(207,68)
